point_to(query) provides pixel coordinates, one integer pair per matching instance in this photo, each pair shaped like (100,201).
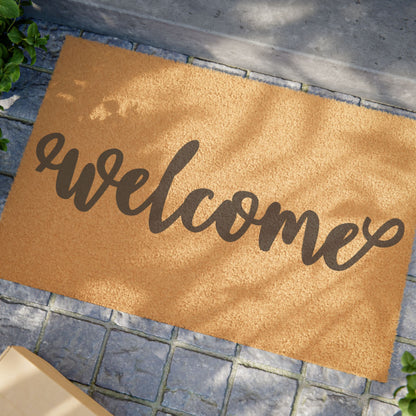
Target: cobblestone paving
(134,366)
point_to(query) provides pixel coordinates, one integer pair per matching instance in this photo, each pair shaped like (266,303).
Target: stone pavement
(134,366)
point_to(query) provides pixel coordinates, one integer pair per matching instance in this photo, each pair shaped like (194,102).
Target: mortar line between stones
(407,341)
(20,120)
(44,323)
(230,381)
(166,369)
(301,382)
(121,396)
(8,174)
(37,68)
(411,278)
(365,397)
(99,359)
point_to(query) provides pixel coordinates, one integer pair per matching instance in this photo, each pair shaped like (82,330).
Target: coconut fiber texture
(246,211)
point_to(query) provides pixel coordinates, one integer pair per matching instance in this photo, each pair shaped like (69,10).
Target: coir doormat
(246,211)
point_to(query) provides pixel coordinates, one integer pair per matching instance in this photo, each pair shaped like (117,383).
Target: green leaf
(3,144)
(3,51)
(32,30)
(404,405)
(411,382)
(32,53)
(397,390)
(408,362)
(412,408)
(17,57)
(15,35)
(5,84)
(9,9)
(14,73)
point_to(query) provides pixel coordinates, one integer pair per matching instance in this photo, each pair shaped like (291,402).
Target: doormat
(249,212)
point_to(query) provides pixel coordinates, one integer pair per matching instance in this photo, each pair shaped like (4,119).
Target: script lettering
(273,222)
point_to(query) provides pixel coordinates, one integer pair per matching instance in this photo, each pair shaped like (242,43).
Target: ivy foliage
(19,38)
(408,403)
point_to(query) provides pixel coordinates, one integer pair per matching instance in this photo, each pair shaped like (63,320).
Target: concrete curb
(347,65)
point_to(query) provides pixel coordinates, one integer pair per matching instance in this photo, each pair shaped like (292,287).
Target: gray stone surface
(5,186)
(163,53)
(82,308)
(322,92)
(334,378)
(21,292)
(218,67)
(256,392)
(132,365)
(377,408)
(118,407)
(270,359)
(206,342)
(142,324)
(268,79)
(72,346)
(25,97)
(18,135)
(108,40)
(389,109)
(19,325)
(365,49)
(315,401)
(412,264)
(407,323)
(57,35)
(196,383)
(396,377)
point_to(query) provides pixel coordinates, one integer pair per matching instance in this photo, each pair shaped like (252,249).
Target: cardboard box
(29,386)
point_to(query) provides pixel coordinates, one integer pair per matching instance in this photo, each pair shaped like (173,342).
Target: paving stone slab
(196,383)
(268,79)
(218,67)
(72,346)
(315,401)
(348,382)
(5,186)
(163,53)
(256,392)
(26,95)
(57,35)
(132,365)
(322,92)
(388,109)
(377,408)
(21,292)
(412,265)
(207,342)
(19,325)
(396,377)
(18,135)
(270,359)
(118,407)
(108,40)
(407,323)
(142,324)
(82,308)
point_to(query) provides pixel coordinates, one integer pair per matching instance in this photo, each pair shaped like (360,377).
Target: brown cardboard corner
(31,386)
